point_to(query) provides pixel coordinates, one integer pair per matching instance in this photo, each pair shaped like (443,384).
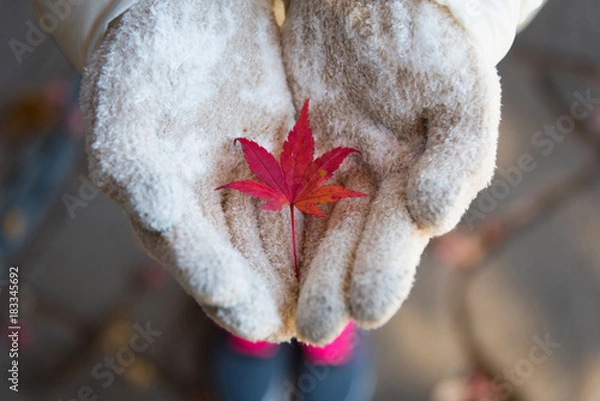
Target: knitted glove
(400,81)
(170,87)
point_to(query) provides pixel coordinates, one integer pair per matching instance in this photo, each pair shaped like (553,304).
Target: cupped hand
(170,87)
(401,82)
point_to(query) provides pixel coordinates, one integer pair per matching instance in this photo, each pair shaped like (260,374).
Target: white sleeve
(78,25)
(493,24)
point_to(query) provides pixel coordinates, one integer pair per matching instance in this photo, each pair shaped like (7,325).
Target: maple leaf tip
(318,214)
(305,112)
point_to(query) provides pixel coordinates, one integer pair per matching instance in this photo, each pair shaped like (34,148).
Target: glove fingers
(267,313)
(261,239)
(386,258)
(256,317)
(198,254)
(276,235)
(322,312)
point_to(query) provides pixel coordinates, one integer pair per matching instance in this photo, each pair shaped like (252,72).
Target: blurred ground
(544,282)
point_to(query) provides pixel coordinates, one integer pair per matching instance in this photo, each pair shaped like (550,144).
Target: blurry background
(509,301)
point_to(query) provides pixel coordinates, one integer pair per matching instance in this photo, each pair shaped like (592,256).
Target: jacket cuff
(493,24)
(78,25)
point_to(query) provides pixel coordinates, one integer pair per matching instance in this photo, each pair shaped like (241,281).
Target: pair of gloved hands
(175,81)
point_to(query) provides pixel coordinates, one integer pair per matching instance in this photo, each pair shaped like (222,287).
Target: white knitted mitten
(401,81)
(170,87)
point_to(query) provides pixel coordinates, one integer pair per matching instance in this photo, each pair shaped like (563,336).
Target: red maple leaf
(299,180)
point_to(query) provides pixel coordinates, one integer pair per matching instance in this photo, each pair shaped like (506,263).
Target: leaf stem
(296,270)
